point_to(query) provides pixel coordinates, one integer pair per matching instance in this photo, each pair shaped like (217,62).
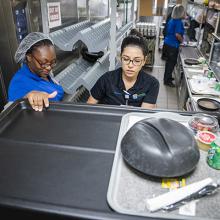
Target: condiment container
(204,139)
(203,122)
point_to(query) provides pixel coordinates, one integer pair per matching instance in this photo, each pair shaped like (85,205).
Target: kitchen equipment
(149,147)
(191,61)
(208,104)
(203,122)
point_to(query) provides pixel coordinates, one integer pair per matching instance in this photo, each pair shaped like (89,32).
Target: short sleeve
(98,91)
(17,90)
(179,27)
(152,93)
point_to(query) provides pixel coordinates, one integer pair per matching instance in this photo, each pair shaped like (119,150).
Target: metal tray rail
(96,37)
(95,72)
(67,37)
(69,78)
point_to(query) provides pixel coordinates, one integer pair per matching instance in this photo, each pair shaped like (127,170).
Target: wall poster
(54,15)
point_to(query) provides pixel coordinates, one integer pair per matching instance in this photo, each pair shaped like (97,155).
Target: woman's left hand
(38,99)
(148,105)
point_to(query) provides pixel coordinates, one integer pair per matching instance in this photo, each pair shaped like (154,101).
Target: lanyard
(127,96)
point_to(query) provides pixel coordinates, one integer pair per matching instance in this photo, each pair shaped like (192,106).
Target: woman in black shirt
(128,85)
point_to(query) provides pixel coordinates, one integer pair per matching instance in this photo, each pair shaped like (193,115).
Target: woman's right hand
(38,99)
(92,100)
(179,37)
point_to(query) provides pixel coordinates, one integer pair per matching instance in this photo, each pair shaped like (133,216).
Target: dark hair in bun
(134,40)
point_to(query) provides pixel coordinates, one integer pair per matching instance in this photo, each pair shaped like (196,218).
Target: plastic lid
(206,137)
(204,122)
(156,152)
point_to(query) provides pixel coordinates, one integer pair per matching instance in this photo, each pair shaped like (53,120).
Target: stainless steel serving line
(190,52)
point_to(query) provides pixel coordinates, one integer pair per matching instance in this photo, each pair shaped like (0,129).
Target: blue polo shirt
(25,81)
(110,89)
(175,26)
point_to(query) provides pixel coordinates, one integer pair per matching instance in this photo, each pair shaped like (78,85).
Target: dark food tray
(58,161)
(62,127)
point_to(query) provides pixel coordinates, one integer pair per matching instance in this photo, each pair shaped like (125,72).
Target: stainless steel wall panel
(8,41)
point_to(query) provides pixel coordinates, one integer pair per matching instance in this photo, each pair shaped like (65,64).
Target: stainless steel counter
(189,52)
(192,52)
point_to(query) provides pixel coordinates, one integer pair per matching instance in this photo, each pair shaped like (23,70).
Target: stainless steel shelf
(97,36)
(69,77)
(83,73)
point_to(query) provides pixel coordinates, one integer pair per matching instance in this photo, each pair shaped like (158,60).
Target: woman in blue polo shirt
(174,36)
(34,79)
(128,85)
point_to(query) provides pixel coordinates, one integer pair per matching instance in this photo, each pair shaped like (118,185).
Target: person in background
(128,85)
(191,31)
(174,37)
(194,23)
(167,20)
(34,79)
(163,57)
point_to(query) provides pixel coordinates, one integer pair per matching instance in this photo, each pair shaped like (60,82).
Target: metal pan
(208,104)
(191,61)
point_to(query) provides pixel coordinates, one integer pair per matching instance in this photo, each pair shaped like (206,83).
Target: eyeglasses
(45,65)
(135,62)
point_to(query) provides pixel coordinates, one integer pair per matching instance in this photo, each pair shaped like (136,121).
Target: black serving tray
(58,161)
(61,127)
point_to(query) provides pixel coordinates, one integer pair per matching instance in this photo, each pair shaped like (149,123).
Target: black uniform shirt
(110,89)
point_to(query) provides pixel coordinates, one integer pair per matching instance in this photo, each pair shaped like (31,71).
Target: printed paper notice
(54,15)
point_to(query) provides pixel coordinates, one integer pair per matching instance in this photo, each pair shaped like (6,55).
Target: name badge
(126,96)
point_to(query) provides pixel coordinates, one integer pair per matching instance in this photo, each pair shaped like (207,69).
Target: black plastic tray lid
(191,61)
(160,147)
(208,104)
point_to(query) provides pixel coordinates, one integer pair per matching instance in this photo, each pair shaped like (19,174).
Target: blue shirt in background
(175,26)
(25,81)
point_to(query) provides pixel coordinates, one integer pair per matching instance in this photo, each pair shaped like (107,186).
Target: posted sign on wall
(54,15)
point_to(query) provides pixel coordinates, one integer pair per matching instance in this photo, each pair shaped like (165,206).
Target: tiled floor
(167,98)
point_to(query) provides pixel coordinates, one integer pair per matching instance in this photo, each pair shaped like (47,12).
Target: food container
(204,139)
(203,122)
